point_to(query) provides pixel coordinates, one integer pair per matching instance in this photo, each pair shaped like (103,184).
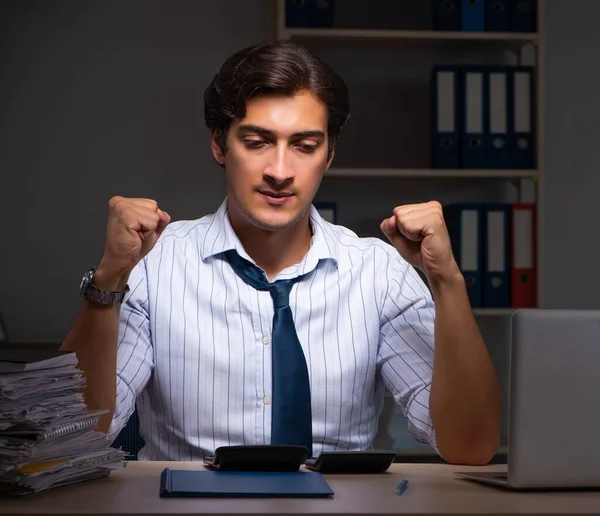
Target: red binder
(524,256)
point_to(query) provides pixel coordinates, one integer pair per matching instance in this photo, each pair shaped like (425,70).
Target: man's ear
(330,160)
(215,147)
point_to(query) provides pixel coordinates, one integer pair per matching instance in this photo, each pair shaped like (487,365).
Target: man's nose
(280,169)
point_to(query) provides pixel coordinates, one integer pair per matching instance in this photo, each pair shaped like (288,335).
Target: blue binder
(322,13)
(496,255)
(474,111)
(472,15)
(446,15)
(465,228)
(522,15)
(499,118)
(327,210)
(496,15)
(297,13)
(309,13)
(242,484)
(446,116)
(522,120)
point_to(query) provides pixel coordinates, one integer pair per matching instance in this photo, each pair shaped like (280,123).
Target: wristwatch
(87,290)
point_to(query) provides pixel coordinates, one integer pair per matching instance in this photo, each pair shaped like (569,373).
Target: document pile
(47,435)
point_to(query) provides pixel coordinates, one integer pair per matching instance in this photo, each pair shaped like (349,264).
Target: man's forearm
(93,337)
(465,400)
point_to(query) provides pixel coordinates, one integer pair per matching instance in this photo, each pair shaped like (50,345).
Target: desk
(432,490)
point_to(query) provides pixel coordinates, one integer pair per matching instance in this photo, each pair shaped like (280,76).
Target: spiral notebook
(57,429)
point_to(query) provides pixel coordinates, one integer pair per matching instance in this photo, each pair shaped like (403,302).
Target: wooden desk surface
(432,490)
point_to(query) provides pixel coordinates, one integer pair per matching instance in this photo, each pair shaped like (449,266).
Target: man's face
(275,160)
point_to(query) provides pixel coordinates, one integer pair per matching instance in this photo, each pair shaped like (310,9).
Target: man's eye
(253,144)
(307,148)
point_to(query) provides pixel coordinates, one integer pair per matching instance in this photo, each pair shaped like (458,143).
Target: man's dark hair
(275,67)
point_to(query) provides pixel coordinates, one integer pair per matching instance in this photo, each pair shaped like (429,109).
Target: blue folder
(309,13)
(446,115)
(297,14)
(465,228)
(496,15)
(446,15)
(496,255)
(242,484)
(322,13)
(474,110)
(522,15)
(499,118)
(522,121)
(472,15)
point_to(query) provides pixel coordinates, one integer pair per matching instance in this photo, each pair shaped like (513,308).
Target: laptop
(554,402)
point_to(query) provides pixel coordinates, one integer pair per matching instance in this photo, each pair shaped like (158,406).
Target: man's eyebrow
(268,133)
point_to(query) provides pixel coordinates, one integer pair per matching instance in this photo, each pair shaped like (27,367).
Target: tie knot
(280,292)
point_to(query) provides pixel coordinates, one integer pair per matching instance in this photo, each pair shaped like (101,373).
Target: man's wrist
(448,282)
(110,280)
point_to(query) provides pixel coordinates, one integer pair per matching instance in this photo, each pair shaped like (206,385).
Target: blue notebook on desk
(242,484)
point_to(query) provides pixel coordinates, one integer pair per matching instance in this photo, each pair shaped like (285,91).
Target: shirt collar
(221,237)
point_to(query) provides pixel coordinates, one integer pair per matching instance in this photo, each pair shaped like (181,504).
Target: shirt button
(267,400)
(266,340)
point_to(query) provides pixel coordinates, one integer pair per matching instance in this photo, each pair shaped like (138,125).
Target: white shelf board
(411,34)
(424,39)
(494,311)
(416,173)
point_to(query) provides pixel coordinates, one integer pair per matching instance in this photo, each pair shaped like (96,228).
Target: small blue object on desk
(402,487)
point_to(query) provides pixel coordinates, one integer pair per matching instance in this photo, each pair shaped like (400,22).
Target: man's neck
(274,251)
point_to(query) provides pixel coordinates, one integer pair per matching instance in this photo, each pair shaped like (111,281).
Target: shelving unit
(429,173)
(442,42)
(353,182)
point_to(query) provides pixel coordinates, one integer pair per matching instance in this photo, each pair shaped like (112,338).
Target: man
(214,352)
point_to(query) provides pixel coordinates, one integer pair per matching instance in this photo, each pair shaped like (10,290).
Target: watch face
(85,281)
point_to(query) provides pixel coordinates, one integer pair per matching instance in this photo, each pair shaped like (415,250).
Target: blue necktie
(291,413)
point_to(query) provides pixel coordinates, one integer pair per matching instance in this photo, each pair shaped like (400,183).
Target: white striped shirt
(194,348)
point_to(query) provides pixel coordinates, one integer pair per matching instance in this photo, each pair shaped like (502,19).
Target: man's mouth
(275,194)
(276,198)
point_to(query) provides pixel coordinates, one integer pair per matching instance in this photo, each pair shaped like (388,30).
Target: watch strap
(105,298)
(102,297)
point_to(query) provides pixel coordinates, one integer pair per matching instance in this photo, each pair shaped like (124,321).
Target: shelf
(427,173)
(413,37)
(411,34)
(494,311)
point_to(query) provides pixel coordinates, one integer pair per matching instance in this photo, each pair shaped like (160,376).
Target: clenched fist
(134,226)
(419,234)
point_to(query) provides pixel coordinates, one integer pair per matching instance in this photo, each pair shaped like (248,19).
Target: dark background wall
(105,97)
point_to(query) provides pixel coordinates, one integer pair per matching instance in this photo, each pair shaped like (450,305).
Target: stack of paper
(47,435)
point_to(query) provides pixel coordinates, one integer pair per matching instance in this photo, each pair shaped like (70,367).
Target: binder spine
(472,15)
(474,100)
(446,15)
(445,116)
(496,15)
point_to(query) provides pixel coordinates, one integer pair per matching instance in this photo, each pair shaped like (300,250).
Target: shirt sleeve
(134,349)
(406,345)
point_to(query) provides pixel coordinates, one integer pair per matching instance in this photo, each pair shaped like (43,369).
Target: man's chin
(277,225)
(275,222)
